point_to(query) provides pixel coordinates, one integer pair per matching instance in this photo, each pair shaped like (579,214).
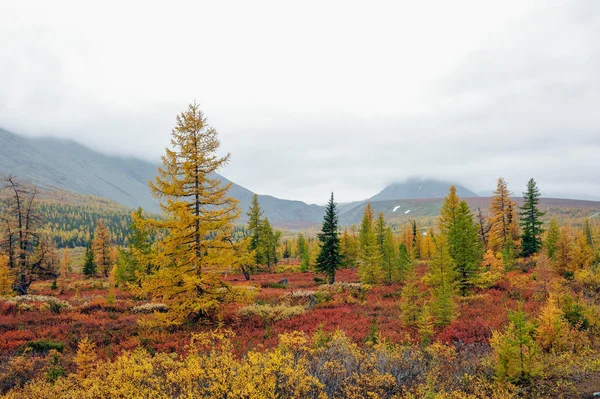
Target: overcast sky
(315,96)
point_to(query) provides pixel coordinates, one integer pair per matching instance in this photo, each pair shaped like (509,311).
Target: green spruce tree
(255,224)
(530,220)
(89,263)
(329,258)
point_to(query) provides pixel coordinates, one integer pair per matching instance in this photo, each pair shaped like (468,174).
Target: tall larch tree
(441,276)
(134,262)
(392,273)
(255,223)
(531,223)
(350,248)
(516,352)
(198,224)
(303,252)
(329,258)
(416,240)
(565,250)
(504,229)
(370,268)
(404,261)
(65,264)
(465,247)
(410,303)
(6,277)
(103,248)
(448,211)
(427,246)
(380,228)
(268,242)
(552,237)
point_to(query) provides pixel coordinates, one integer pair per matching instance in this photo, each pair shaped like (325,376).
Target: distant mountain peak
(414,188)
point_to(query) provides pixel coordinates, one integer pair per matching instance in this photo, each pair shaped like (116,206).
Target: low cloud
(304,114)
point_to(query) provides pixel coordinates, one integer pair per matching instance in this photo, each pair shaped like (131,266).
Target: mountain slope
(420,188)
(67,165)
(404,210)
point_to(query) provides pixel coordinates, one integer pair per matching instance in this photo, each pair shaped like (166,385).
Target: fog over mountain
(464,91)
(67,165)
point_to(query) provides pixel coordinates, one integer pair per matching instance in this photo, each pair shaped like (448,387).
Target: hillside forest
(497,300)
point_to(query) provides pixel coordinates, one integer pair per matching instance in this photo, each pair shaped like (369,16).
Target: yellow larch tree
(369,269)
(86,357)
(6,276)
(427,245)
(197,244)
(504,223)
(102,248)
(448,211)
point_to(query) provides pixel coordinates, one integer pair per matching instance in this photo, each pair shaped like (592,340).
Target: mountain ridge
(68,165)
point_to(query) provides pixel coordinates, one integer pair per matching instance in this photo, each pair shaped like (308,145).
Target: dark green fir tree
(530,220)
(330,258)
(89,264)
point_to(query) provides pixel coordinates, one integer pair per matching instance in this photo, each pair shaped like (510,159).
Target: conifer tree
(426,324)
(255,223)
(86,358)
(531,224)
(583,252)
(380,229)
(102,248)
(89,263)
(65,265)
(552,237)
(268,242)
(303,252)
(198,224)
(392,273)
(134,262)
(552,330)
(565,248)
(329,258)
(448,211)
(301,247)
(350,248)
(370,268)
(587,232)
(441,275)
(427,246)
(286,250)
(504,230)
(410,306)
(244,258)
(465,247)
(417,237)
(404,261)
(6,276)
(516,351)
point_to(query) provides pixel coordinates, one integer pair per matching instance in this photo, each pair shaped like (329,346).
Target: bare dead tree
(27,253)
(484,227)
